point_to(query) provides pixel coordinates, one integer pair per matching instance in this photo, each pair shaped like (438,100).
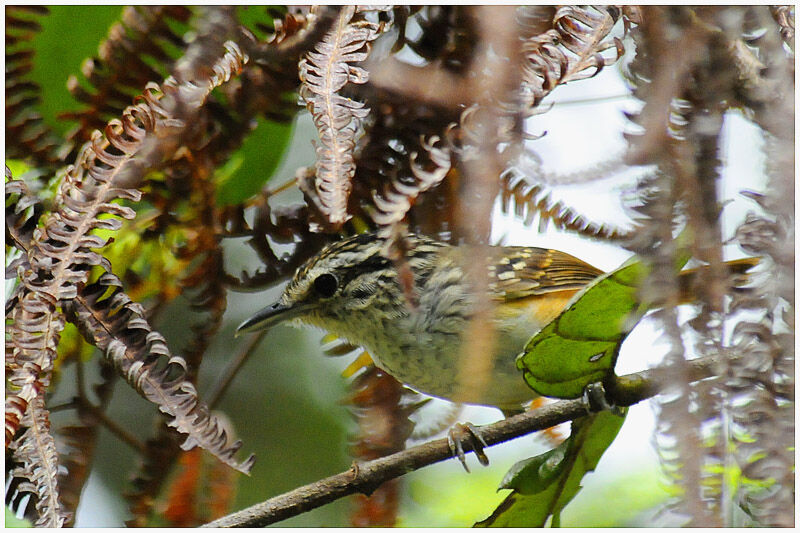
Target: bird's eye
(325,285)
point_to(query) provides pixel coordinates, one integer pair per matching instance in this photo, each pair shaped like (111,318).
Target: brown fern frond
(117,326)
(61,252)
(283,225)
(31,344)
(528,201)
(108,168)
(323,73)
(399,195)
(35,452)
(572,49)
(27,370)
(27,136)
(134,53)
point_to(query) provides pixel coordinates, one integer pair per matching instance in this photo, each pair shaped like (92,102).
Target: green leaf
(11,520)
(254,163)
(69,35)
(545,484)
(533,475)
(581,345)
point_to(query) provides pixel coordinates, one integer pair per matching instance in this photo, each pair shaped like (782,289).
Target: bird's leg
(595,399)
(467,436)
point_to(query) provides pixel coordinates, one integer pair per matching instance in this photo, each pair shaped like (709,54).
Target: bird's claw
(467,435)
(595,400)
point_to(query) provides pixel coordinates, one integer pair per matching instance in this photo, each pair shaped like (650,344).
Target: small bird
(351,290)
(354,292)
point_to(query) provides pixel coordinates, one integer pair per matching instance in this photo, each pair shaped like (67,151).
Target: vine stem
(366,477)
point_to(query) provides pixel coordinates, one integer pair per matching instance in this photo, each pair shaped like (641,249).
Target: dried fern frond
(323,73)
(692,66)
(531,201)
(398,196)
(31,343)
(117,326)
(573,49)
(35,452)
(61,251)
(60,254)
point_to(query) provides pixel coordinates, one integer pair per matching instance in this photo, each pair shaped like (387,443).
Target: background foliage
(160,164)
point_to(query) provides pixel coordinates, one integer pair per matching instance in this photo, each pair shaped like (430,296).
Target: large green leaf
(69,35)
(543,485)
(581,345)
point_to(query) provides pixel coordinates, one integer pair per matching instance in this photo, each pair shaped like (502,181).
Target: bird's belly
(434,364)
(426,351)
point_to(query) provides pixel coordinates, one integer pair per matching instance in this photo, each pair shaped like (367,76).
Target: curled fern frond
(60,253)
(573,49)
(282,225)
(109,168)
(35,453)
(31,343)
(323,73)
(118,326)
(528,200)
(398,196)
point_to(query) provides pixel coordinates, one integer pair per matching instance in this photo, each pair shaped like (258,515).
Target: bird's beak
(269,316)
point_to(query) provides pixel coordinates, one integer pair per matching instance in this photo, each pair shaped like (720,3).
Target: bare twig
(366,477)
(232,369)
(103,419)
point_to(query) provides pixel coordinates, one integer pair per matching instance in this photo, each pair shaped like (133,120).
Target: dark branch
(366,477)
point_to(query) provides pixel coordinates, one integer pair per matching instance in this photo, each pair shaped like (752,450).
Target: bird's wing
(518,272)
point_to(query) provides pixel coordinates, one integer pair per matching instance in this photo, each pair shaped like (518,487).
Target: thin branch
(366,477)
(232,369)
(103,419)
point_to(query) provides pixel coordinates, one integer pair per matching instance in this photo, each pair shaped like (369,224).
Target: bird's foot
(596,400)
(467,436)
